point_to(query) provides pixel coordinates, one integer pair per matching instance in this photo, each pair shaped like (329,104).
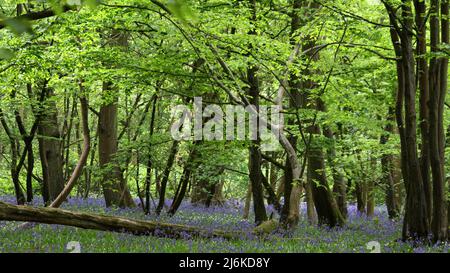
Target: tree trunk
(165,178)
(422,74)
(189,166)
(106,223)
(248,201)
(50,146)
(149,159)
(310,209)
(114,186)
(438,90)
(361,200)
(206,191)
(20,197)
(254,161)
(326,207)
(370,209)
(76,174)
(290,214)
(416,223)
(387,170)
(339,186)
(28,141)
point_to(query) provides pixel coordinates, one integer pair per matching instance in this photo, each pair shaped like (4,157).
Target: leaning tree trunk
(106,223)
(170,160)
(189,166)
(84,105)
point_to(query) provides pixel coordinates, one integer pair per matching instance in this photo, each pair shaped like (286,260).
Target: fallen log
(84,220)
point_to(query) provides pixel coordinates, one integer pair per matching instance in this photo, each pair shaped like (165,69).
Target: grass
(305,238)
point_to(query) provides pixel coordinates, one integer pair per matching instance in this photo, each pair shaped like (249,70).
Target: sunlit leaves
(181,9)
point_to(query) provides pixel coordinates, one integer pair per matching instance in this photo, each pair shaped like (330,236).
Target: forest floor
(359,231)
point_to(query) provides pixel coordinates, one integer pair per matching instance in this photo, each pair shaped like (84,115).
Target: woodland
(358,162)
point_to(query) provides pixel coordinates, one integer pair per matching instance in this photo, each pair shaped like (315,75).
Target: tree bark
(248,201)
(165,178)
(105,223)
(438,90)
(422,74)
(387,170)
(326,207)
(50,146)
(370,209)
(190,164)
(416,224)
(255,158)
(339,186)
(20,197)
(149,159)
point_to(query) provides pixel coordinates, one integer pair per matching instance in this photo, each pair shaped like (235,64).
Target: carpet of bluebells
(354,237)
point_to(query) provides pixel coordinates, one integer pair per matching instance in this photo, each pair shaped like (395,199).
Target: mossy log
(84,220)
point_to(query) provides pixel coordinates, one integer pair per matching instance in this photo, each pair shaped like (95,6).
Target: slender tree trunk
(28,141)
(387,170)
(371,191)
(190,164)
(255,159)
(77,172)
(422,74)
(256,181)
(80,165)
(149,159)
(20,197)
(438,90)
(165,177)
(310,209)
(248,201)
(339,186)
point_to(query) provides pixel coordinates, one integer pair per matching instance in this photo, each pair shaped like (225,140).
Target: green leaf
(6,53)
(180,9)
(91,3)
(19,25)
(56,6)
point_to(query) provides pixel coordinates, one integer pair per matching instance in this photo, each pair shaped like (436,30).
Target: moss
(266,227)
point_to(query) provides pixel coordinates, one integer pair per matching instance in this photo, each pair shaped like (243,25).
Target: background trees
(362,86)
